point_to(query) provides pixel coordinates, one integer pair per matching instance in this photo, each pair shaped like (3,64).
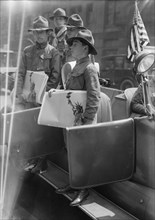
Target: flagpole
(137,3)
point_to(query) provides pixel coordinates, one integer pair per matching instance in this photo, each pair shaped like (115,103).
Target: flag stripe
(138,36)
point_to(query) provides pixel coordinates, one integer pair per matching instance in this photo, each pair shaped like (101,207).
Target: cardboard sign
(62,108)
(34,86)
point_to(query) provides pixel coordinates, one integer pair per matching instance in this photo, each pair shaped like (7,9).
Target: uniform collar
(80,66)
(41,46)
(83,60)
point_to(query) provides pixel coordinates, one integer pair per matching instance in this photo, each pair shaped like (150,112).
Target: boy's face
(71,32)
(59,21)
(40,36)
(78,49)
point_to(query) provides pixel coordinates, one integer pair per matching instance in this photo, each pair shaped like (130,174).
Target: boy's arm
(21,75)
(54,76)
(93,94)
(137,103)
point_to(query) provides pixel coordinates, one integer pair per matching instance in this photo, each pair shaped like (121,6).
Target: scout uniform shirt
(40,57)
(84,76)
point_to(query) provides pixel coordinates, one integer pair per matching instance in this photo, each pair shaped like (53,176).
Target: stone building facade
(110,21)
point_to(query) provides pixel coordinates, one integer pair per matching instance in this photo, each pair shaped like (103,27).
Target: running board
(95,206)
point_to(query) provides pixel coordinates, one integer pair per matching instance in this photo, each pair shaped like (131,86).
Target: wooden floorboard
(95,206)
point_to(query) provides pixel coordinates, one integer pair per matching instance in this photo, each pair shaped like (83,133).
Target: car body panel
(135,198)
(145,152)
(28,139)
(117,158)
(100,154)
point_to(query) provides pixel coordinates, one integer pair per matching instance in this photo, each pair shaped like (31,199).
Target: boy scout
(39,57)
(84,76)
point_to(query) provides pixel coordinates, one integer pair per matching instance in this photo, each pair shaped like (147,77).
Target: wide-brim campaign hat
(86,37)
(40,24)
(59,12)
(75,21)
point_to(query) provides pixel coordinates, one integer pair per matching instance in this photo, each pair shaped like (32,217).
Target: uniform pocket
(46,63)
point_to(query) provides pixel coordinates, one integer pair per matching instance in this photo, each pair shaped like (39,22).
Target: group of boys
(70,40)
(50,50)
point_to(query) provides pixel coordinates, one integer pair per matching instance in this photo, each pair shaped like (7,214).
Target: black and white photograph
(77,109)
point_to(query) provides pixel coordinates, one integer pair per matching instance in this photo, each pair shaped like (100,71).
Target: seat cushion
(104,113)
(128,95)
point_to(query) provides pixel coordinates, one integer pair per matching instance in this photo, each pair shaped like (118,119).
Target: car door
(100,154)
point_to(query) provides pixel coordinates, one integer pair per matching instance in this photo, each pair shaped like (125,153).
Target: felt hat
(59,12)
(86,37)
(40,24)
(75,21)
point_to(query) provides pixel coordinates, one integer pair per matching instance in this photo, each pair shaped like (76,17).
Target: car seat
(128,95)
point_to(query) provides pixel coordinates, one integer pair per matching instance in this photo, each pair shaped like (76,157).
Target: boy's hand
(20,99)
(32,97)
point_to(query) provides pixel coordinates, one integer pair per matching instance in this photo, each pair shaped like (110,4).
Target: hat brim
(76,27)
(52,17)
(40,29)
(92,48)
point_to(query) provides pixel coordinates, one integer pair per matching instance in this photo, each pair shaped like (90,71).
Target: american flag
(139,37)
